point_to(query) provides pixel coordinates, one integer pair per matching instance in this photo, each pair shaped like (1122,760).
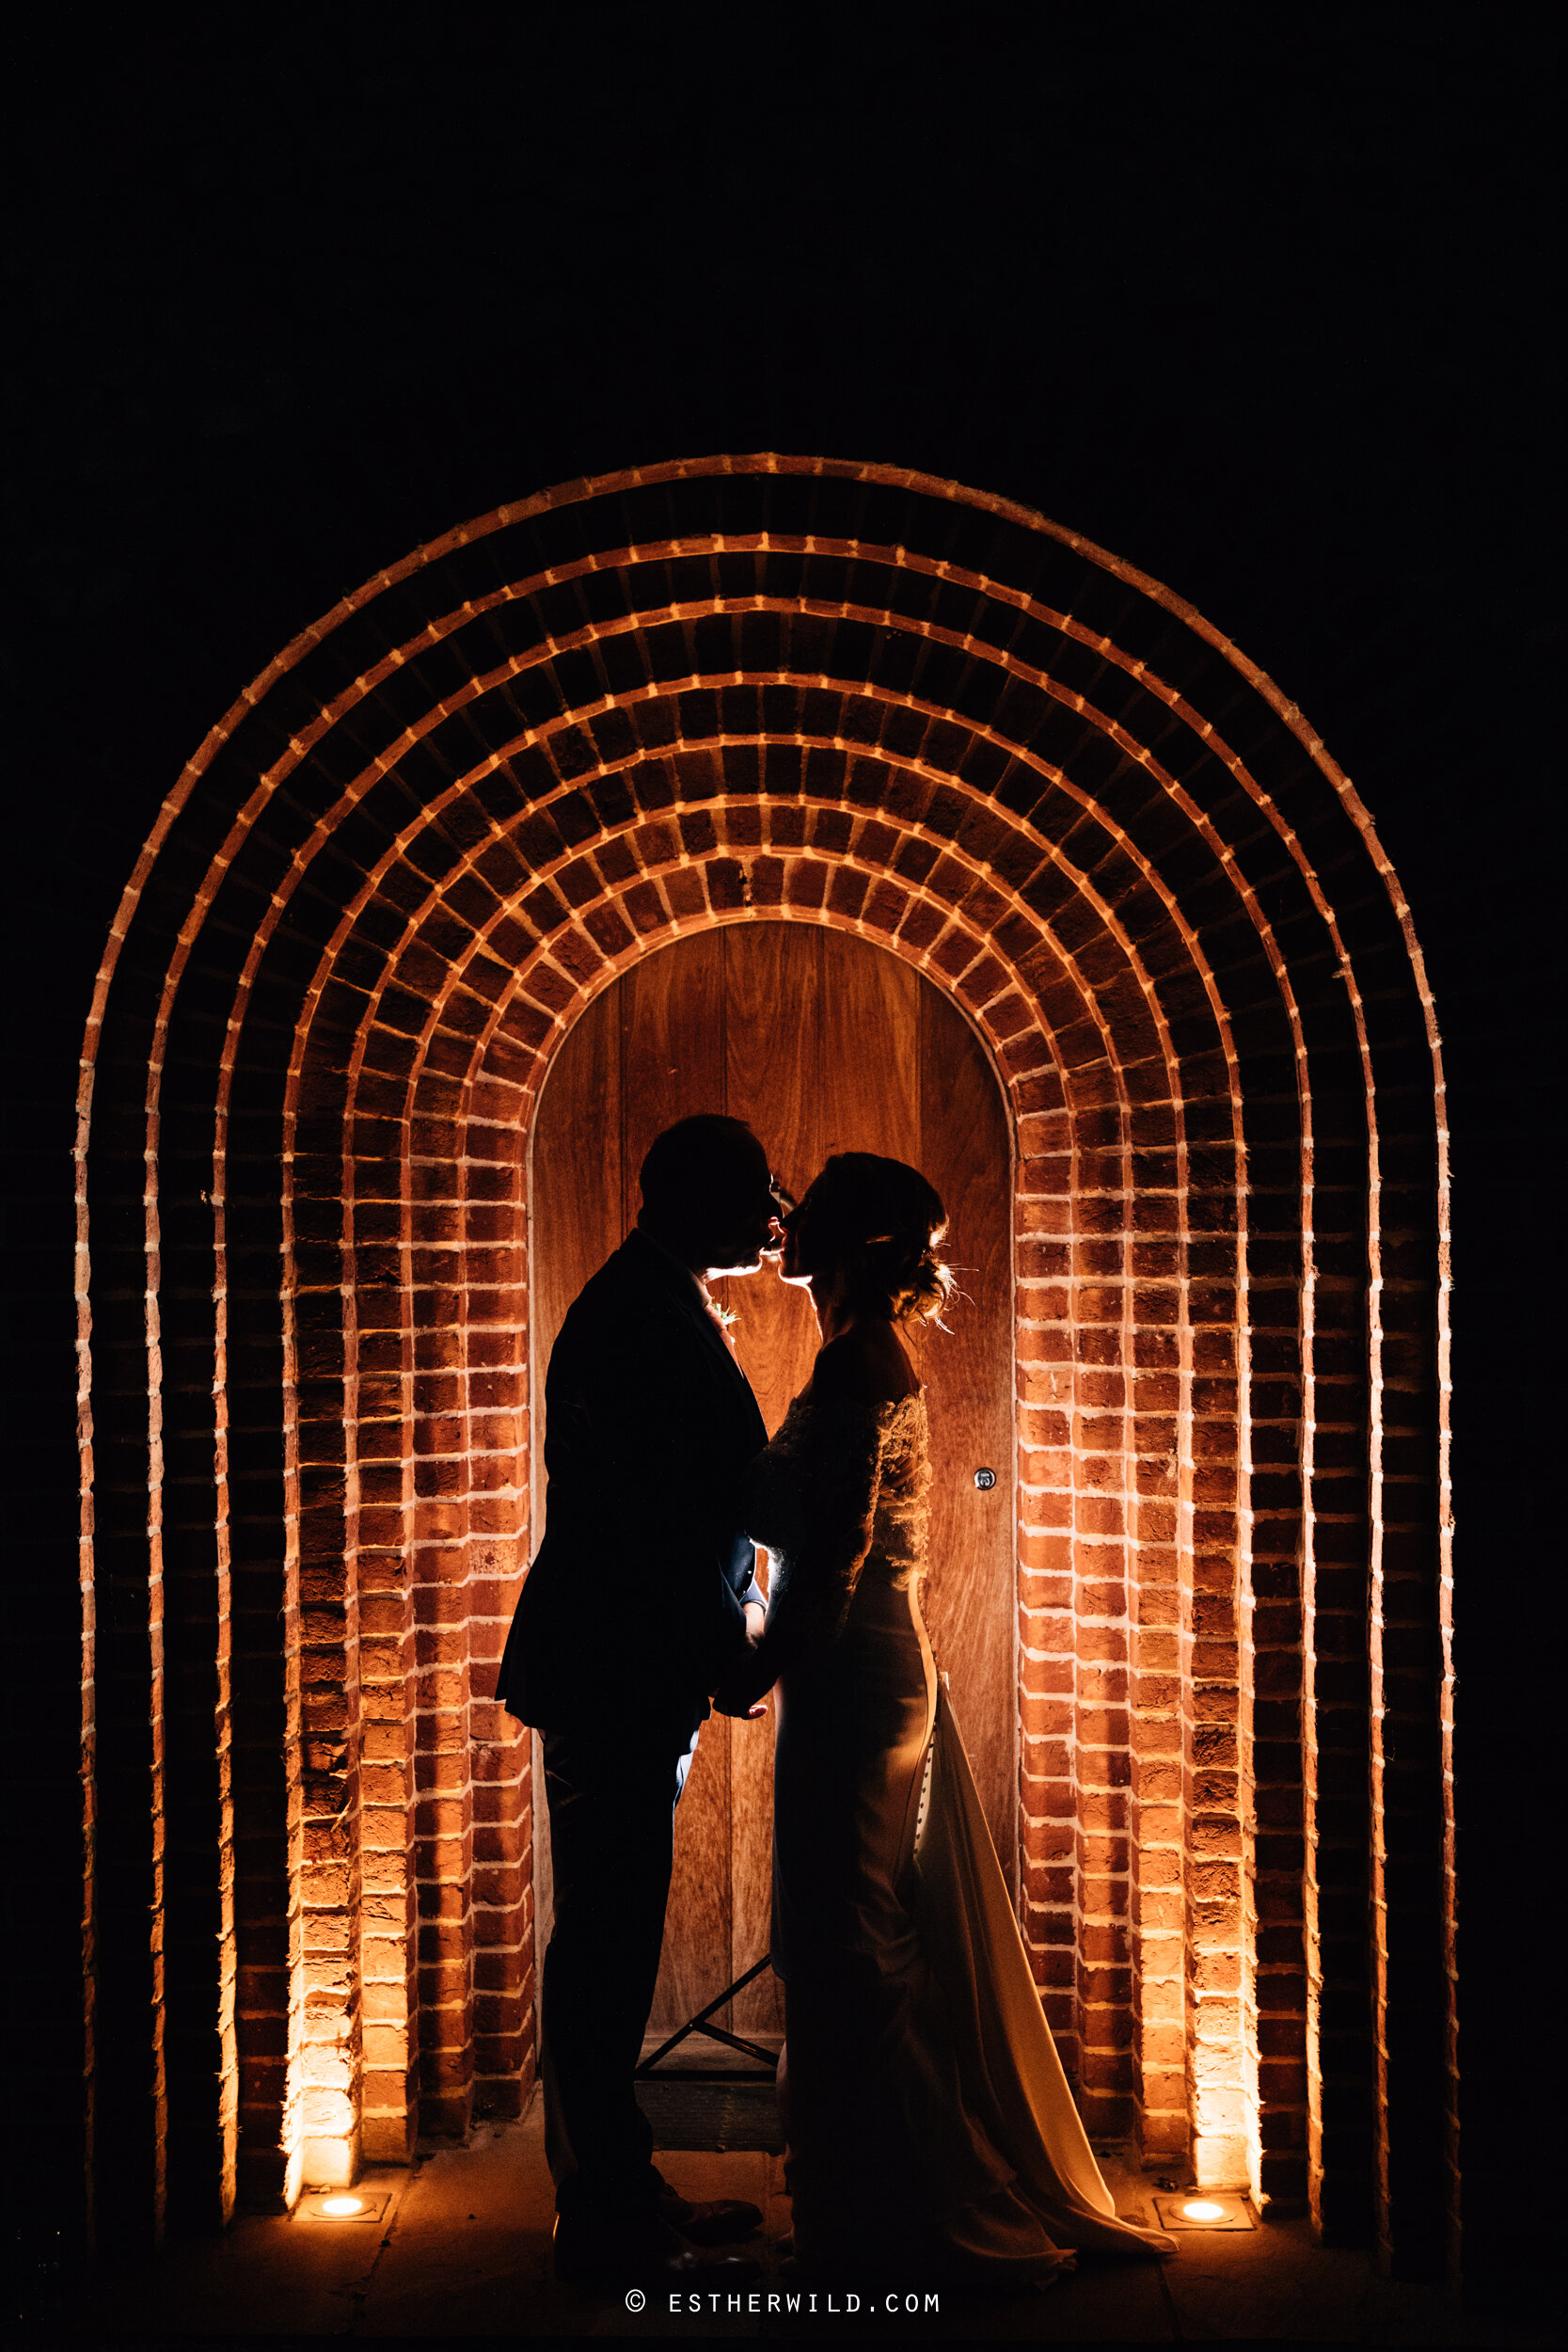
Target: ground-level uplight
(369,2203)
(1205,2209)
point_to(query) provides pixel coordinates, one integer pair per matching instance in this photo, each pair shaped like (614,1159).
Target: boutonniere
(726,1317)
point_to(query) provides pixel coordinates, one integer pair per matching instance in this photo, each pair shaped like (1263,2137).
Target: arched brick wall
(735,691)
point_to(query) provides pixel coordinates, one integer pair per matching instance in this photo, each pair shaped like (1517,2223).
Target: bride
(928,2118)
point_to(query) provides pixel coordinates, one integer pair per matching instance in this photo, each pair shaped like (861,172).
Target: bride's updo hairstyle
(883,1224)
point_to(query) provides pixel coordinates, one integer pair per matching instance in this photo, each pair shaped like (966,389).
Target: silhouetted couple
(930,2131)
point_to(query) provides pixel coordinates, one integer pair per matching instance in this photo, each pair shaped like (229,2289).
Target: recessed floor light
(343,2205)
(1205,2209)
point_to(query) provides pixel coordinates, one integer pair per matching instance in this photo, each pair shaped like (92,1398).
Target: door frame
(1012,1861)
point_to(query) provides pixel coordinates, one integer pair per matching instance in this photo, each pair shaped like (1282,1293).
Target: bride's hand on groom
(737,1700)
(735,1694)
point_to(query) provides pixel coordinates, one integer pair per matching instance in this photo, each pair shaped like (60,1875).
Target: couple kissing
(930,2132)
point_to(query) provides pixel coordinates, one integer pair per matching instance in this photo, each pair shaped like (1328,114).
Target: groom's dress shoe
(593,2250)
(715,2223)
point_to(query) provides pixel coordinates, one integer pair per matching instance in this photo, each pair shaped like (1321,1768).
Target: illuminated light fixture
(1196,2209)
(343,2204)
(1205,2209)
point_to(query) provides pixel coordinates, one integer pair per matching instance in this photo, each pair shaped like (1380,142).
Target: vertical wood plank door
(823,1043)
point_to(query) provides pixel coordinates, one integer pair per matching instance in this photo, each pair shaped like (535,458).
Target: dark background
(1254,296)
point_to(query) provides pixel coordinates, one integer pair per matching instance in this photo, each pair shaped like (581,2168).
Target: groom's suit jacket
(633,1608)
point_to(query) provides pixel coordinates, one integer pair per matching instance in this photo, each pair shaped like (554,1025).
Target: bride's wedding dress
(928,2118)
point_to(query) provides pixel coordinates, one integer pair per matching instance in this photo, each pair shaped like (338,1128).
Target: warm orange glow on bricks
(444,820)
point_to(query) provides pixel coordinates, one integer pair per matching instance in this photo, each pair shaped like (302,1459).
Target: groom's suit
(634,1603)
(632,1611)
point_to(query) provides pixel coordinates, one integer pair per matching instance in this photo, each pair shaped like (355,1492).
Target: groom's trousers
(612,1794)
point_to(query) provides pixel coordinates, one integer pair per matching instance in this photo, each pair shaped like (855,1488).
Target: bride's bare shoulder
(862,1367)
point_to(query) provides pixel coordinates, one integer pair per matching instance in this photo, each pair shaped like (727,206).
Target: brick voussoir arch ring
(473,1047)
(923,799)
(469,1044)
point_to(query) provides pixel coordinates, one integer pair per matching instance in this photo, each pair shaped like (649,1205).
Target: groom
(643,1594)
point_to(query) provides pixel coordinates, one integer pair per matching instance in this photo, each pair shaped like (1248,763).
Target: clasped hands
(738,1692)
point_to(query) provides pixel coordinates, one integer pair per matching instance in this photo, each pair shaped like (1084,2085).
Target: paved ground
(462,2253)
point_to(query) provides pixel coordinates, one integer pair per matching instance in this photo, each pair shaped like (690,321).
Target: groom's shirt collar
(672,1265)
(693,1290)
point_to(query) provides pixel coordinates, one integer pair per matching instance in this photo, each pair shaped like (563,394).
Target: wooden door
(823,1043)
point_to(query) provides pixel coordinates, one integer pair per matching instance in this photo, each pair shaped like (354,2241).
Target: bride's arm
(831,1457)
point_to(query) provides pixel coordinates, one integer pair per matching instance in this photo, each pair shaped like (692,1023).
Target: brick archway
(430,834)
